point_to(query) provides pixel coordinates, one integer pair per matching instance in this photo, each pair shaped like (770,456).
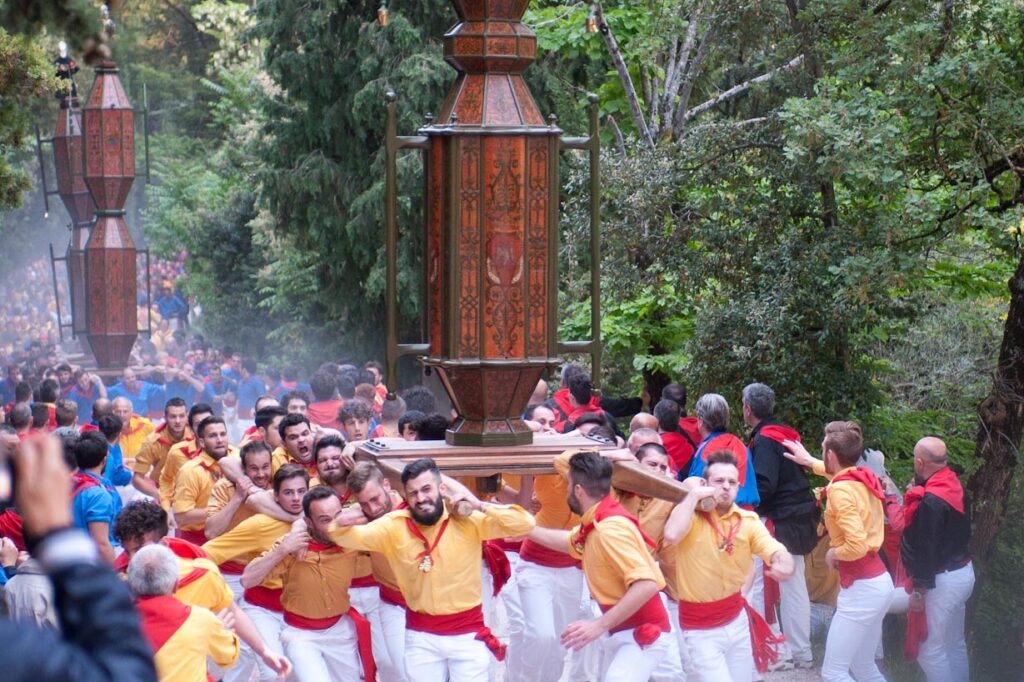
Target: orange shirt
(317,586)
(453,583)
(614,557)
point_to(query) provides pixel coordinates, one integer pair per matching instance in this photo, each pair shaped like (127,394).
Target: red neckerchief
(251,430)
(322,547)
(138,425)
(607,508)
(346,496)
(865,477)
(215,474)
(727,538)
(161,439)
(777,433)
(426,556)
(161,617)
(943,484)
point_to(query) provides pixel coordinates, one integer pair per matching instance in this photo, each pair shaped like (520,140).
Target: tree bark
(999,435)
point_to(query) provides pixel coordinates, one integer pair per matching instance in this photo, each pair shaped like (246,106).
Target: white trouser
(622,659)
(722,654)
(451,658)
(270,624)
(855,631)
(514,623)
(943,656)
(550,599)
(330,654)
(391,668)
(366,600)
(794,610)
(235,585)
(670,668)
(677,631)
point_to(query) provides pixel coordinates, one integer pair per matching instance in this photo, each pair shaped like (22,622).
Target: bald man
(640,437)
(936,555)
(643,420)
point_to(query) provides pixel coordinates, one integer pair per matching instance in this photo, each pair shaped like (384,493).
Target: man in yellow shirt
(179,454)
(724,637)
(855,519)
(324,635)
(620,571)
(144,523)
(149,461)
(226,507)
(249,539)
(182,636)
(135,430)
(195,481)
(436,560)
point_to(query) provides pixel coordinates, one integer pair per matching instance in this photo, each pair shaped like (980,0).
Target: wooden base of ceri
(392,454)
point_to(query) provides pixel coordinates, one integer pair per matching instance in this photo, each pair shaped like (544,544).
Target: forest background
(824,195)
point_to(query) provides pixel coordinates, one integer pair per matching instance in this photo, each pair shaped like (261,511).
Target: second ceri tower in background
(492,216)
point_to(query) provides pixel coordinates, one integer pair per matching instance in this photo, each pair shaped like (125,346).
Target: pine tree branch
(742,87)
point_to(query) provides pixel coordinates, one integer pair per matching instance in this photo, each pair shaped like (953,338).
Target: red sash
(266,597)
(196,537)
(537,553)
(364,581)
(497,563)
(161,617)
(868,566)
(393,597)
(647,622)
(232,568)
(715,614)
(470,621)
(363,635)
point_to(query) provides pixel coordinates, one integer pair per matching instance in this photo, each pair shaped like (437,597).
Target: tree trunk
(999,435)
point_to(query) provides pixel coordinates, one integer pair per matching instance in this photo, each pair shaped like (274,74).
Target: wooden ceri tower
(111,316)
(491,266)
(68,160)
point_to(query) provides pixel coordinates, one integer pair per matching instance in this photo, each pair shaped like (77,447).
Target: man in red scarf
(620,571)
(935,553)
(725,637)
(181,636)
(855,521)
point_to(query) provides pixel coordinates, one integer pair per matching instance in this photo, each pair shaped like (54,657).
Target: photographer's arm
(102,640)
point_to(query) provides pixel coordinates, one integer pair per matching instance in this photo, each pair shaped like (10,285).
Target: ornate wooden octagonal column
(110,264)
(491,227)
(68,161)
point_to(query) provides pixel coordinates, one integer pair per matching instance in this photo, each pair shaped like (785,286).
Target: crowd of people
(256,546)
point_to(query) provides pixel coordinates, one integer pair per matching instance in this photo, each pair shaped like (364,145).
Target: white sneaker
(784,664)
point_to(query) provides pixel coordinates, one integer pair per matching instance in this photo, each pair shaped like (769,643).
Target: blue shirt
(180,389)
(98,504)
(249,391)
(210,390)
(7,391)
(747,495)
(140,399)
(115,471)
(84,400)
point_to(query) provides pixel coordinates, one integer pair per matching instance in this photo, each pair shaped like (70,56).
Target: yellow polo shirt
(194,484)
(182,658)
(177,455)
(210,591)
(149,460)
(220,496)
(855,519)
(614,557)
(453,583)
(317,586)
(247,540)
(704,573)
(135,435)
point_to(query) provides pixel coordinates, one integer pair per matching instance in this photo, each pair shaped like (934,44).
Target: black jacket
(785,493)
(936,540)
(101,641)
